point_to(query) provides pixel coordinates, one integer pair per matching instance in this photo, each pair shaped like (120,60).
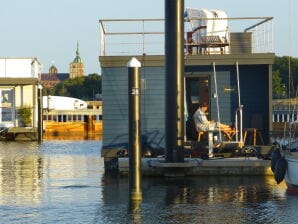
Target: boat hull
(291,177)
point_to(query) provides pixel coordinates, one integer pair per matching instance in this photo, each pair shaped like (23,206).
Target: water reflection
(97,137)
(20,175)
(134,211)
(64,182)
(196,200)
(54,182)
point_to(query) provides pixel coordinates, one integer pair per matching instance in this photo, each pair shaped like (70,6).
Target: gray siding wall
(254,85)
(153,106)
(115,107)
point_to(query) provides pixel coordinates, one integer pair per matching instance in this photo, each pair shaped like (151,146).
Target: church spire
(78,52)
(76,68)
(77,58)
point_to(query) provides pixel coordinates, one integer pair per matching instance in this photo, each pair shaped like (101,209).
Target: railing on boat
(146,36)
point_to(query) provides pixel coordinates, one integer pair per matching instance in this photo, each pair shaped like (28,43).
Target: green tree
(93,85)
(278,89)
(47,91)
(287,68)
(61,90)
(81,87)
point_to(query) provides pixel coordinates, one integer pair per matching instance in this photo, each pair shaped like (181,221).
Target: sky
(50,29)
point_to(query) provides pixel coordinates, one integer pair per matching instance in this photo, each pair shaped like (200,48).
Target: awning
(18,81)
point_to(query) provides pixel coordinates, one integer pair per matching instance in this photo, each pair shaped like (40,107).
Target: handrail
(150,30)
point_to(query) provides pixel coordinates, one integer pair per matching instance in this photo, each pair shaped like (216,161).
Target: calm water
(64,182)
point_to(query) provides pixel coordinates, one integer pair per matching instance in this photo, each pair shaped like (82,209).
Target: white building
(19,81)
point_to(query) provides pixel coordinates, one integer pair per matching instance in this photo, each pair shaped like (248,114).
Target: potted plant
(24,114)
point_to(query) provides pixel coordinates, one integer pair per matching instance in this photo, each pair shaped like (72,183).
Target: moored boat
(291,176)
(284,164)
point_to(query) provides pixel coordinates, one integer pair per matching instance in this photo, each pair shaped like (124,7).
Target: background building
(49,80)
(18,89)
(76,68)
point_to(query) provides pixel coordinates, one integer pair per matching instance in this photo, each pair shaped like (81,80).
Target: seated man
(203,124)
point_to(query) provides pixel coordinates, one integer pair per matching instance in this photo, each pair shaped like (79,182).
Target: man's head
(203,104)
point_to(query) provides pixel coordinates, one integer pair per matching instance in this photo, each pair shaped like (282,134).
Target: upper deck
(239,35)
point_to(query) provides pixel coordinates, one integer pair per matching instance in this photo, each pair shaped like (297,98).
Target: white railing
(146,36)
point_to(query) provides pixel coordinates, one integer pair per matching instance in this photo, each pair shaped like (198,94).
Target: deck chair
(254,133)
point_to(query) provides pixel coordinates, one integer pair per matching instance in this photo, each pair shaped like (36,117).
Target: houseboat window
(6,106)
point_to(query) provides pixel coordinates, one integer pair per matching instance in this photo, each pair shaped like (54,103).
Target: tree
(287,69)
(93,84)
(81,87)
(278,89)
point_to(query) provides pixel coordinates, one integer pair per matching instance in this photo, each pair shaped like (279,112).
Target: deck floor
(244,166)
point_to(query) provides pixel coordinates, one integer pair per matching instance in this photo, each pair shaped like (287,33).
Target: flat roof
(191,60)
(18,81)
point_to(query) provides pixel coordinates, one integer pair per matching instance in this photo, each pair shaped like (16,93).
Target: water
(64,182)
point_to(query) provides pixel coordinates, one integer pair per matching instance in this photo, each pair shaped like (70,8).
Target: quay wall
(73,130)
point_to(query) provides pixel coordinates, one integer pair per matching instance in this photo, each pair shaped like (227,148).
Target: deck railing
(146,36)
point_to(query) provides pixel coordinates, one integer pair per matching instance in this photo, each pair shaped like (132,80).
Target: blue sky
(50,29)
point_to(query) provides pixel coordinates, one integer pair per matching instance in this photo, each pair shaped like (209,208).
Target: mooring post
(39,113)
(174,62)
(134,144)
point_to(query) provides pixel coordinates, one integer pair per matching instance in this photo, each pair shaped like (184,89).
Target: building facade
(49,80)
(19,83)
(76,68)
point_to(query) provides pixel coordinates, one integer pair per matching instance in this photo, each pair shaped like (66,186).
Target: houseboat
(19,91)
(221,60)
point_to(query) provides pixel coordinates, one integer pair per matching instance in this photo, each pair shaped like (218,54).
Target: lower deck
(242,166)
(19,134)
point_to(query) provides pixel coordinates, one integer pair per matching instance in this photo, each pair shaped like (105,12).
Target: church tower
(76,68)
(53,70)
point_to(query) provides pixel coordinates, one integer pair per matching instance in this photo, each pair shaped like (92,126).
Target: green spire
(77,58)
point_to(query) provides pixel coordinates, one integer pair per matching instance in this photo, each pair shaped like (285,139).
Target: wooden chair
(251,135)
(200,134)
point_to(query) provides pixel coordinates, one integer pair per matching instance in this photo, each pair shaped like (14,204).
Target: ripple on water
(64,182)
